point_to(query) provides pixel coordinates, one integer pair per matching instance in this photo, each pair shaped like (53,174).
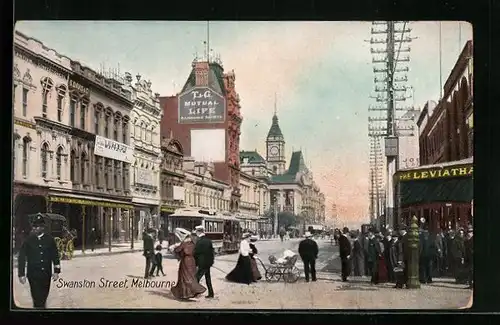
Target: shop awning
(456,189)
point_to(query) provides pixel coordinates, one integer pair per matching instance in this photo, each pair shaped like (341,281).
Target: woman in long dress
(242,272)
(253,263)
(187,286)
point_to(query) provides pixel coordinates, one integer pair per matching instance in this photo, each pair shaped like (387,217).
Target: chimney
(201,74)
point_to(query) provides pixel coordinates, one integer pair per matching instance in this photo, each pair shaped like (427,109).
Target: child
(157,264)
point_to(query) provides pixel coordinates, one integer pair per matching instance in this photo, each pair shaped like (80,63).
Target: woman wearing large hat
(187,286)
(242,272)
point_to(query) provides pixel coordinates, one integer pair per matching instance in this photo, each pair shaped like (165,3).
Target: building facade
(279,189)
(446,132)
(41,135)
(202,190)
(172,180)
(219,109)
(440,190)
(100,156)
(146,140)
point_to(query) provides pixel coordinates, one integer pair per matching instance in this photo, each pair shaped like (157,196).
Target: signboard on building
(178,193)
(82,89)
(433,173)
(108,148)
(391,147)
(201,105)
(144,177)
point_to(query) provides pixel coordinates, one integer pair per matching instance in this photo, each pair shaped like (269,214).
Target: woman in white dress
(242,272)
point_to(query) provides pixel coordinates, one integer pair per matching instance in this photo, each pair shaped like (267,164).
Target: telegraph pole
(390,88)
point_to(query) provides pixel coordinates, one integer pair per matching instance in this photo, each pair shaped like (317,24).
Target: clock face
(274,151)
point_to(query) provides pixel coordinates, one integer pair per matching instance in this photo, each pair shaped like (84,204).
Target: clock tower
(275,148)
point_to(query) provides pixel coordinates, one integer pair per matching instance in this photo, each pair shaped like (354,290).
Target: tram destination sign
(201,105)
(434,173)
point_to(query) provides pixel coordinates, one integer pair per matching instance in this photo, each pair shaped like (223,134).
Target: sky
(321,73)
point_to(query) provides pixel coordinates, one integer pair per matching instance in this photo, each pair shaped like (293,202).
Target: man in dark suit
(308,251)
(204,257)
(39,251)
(345,253)
(149,251)
(404,249)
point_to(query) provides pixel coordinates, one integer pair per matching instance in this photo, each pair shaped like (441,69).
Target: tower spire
(275,104)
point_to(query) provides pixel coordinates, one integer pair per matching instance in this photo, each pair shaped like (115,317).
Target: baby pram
(283,267)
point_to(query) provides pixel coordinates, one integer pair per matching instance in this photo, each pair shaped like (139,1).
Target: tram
(223,230)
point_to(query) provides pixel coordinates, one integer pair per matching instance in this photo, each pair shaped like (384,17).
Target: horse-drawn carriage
(56,226)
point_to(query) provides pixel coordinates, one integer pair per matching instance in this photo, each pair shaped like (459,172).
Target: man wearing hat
(469,256)
(148,251)
(204,256)
(308,251)
(39,251)
(345,253)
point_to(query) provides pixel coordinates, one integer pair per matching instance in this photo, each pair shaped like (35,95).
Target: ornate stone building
(99,114)
(172,180)
(145,139)
(202,190)
(41,136)
(286,190)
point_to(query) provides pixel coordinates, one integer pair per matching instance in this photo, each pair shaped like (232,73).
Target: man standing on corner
(308,251)
(345,253)
(204,257)
(149,251)
(39,251)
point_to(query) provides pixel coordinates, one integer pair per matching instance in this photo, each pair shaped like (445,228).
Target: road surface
(115,281)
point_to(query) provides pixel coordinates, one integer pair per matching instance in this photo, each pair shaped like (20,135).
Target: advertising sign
(112,149)
(391,147)
(432,173)
(201,105)
(144,177)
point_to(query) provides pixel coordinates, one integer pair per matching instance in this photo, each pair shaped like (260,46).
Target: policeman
(39,250)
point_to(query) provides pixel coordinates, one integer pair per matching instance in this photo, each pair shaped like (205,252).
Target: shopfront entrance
(441,196)
(109,219)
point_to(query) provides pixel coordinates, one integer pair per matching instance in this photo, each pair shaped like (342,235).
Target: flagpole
(440,65)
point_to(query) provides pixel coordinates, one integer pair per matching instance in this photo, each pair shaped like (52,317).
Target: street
(115,281)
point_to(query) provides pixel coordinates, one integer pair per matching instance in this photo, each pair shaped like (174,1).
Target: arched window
(124,132)
(97,116)
(115,130)
(106,126)
(45,94)
(59,154)
(106,168)
(72,112)
(44,157)
(72,167)
(83,167)
(26,148)
(83,115)
(275,169)
(97,165)
(143,132)
(116,174)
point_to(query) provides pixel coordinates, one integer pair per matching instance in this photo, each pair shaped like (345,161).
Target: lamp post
(413,243)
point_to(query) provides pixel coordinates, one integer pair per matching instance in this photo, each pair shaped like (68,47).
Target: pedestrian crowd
(384,256)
